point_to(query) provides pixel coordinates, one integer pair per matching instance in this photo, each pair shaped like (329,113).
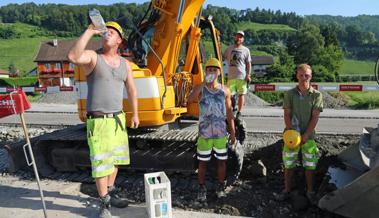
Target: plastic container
(98,21)
(158,195)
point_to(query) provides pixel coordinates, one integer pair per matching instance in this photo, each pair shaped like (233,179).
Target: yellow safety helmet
(116,26)
(213,62)
(291,138)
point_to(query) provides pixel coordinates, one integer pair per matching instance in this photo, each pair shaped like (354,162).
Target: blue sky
(301,7)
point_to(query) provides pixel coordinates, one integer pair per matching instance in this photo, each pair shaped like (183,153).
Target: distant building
(4,73)
(260,64)
(53,67)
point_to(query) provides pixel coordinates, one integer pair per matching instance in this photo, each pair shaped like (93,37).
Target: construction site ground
(253,195)
(20,198)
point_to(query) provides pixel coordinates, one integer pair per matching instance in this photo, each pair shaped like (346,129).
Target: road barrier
(252,87)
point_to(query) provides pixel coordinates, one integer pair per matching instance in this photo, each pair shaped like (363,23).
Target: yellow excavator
(167,57)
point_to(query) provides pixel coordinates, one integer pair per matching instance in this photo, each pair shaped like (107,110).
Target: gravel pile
(14,134)
(59,98)
(255,101)
(336,102)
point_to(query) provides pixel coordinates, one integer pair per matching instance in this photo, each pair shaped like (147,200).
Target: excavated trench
(252,195)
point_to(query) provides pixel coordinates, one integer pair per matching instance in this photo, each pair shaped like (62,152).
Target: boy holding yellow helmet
(302,106)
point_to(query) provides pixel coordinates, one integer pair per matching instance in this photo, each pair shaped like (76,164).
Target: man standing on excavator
(302,106)
(239,69)
(215,105)
(107,75)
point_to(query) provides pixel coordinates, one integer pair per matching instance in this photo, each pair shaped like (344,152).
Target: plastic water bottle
(295,123)
(98,21)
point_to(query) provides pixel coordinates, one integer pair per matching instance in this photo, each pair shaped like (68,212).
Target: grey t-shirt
(237,59)
(106,86)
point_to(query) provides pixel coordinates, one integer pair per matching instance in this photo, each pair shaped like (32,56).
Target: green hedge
(18,81)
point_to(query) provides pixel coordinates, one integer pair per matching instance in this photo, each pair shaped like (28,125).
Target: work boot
(116,199)
(220,190)
(202,193)
(312,198)
(105,207)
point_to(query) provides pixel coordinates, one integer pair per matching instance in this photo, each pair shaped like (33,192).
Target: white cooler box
(158,195)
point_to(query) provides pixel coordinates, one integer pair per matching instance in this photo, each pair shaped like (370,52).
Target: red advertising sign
(13,103)
(66,88)
(351,87)
(40,89)
(264,87)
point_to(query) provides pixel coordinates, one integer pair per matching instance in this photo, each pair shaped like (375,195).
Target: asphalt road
(257,119)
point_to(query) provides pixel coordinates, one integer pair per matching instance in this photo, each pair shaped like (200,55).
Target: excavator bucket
(358,182)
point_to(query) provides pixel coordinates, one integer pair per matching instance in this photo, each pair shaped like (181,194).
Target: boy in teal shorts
(302,106)
(215,105)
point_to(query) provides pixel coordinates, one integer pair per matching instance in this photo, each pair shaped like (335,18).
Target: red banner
(13,103)
(40,89)
(264,87)
(66,88)
(351,87)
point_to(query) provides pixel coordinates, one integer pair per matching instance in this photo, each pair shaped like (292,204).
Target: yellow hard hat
(291,138)
(213,62)
(116,26)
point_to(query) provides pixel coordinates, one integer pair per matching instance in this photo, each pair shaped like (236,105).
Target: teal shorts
(108,145)
(309,152)
(238,86)
(205,147)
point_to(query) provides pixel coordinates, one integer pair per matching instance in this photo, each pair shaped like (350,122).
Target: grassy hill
(357,67)
(260,26)
(22,51)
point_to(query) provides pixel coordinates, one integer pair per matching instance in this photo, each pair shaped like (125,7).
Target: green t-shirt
(301,107)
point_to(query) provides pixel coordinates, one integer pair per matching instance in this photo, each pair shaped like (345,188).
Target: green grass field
(356,67)
(363,100)
(26,30)
(22,51)
(260,26)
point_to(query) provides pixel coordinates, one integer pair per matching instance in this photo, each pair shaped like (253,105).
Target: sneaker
(202,193)
(220,190)
(312,198)
(282,196)
(105,207)
(116,199)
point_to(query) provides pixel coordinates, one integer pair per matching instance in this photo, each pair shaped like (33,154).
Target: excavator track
(65,153)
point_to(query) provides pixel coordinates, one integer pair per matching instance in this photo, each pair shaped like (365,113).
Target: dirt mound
(59,98)
(335,101)
(255,101)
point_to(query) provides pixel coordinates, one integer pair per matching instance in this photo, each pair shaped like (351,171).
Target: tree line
(311,40)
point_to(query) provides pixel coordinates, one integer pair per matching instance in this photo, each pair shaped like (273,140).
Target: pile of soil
(335,101)
(255,101)
(252,195)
